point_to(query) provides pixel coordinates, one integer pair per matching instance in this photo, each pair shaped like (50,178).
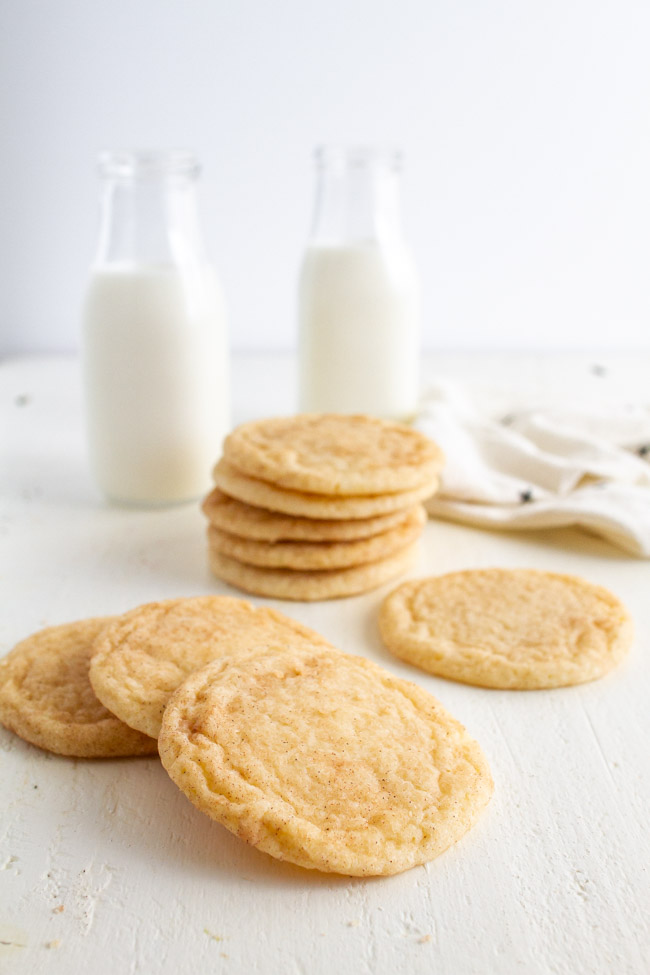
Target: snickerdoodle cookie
(334,454)
(319,555)
(314,584)
(263,494)
(248,521)
(47,699)
(508,628)
(324,759)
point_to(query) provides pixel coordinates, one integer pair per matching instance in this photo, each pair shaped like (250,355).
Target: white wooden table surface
(106,867)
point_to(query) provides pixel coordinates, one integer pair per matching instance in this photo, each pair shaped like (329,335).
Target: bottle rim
(147,163)
(358,157)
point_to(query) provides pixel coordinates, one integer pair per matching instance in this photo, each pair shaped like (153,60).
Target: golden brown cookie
(334,454)
(507,628)
(313,585)
(46,697)
(324,759)
(319,555)
(144,655)
(265,495)
(247,521)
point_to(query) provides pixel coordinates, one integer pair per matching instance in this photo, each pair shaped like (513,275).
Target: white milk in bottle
(359,307)
(155,350)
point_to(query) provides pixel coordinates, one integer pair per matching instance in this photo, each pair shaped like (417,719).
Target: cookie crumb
(425,939)
(59,909)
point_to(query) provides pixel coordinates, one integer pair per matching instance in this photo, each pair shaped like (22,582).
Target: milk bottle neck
(357,198)
(149,209)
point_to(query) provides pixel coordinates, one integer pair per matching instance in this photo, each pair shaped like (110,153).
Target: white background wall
(525,124)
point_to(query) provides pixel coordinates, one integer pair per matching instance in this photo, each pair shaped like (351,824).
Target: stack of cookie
(318,506)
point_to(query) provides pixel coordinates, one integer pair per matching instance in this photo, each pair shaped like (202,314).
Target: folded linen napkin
(542,467)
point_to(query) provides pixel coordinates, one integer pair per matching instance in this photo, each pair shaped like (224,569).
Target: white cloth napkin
(542,467)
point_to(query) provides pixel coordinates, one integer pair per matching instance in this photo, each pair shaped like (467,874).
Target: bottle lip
(131,164)
(358,157)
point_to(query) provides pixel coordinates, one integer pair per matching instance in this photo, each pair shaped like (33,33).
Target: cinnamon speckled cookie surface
(47,699)
(145,654)
(334,454)
(324,759)
(507,628)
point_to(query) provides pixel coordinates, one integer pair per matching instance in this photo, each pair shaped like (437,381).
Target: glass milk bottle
(359,311)
(155,353)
